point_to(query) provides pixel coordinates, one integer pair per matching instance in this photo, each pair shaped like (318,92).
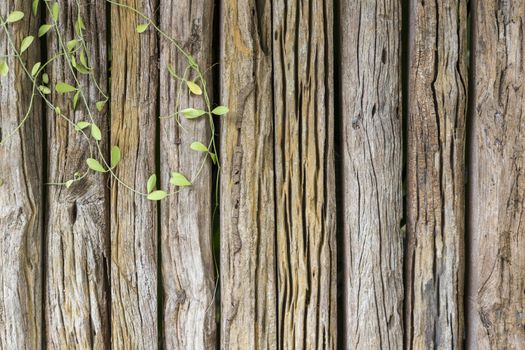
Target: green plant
(73,51)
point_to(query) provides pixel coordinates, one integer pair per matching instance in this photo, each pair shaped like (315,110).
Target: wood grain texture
(77,227)
(305,176)
(21,192)
(497,178)
(436,161)
(188,268)
(248,303)
(134,116)
(372,163)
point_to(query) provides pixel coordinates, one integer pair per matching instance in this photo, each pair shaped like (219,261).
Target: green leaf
(58,110)
(35,69)
(15,16)
(220,110)
(45,78)
(69,183)
(213,158)
(194,88)
(81,125)
(192,61)
(95,132)
(44,89)
(100,105)
(192,113)
(141,28)
(94,164)
(152,182)
(71,44)
(75,99)
(35,7)
(83,59)
(199,147)
(79,26)
(28,40)
(157,195)
(115,156)
(64,88)
(44,28)
(54,11)
(4,68)
(177,179)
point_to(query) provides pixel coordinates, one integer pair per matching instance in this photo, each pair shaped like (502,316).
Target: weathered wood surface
(21,192)
(372,163)
(497,183)
(248,308)
(435,255)
(77,223)
(304,173)
(134,117)
(188,267)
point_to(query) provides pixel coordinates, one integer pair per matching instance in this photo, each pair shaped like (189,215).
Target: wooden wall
(371,191)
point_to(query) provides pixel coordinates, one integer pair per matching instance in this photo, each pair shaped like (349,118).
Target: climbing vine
(74,52)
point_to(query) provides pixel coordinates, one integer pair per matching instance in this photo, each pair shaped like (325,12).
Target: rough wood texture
(248,303)
(21,192)
(497,188)
(134,117)
(187,262)
(305,176)
(436,154)
(372,163)
(77,228)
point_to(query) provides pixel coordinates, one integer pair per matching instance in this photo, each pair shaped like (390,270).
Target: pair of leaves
(95,165)
(177,179)
(192,113)
(95,130)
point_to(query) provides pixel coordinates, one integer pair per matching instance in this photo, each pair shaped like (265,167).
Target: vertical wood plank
(436,161)
(305,176)
(372,163)
(77,228)
(497,187)
(248,297)
(20,193)
(187,262)
(134,115)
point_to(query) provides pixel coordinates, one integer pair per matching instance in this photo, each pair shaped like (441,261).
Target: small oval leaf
(44,28)
(100,105)
(81,125)
(115,156)
(35,69)
(177,179)
(199,147)
(152,182)
(15,16)
(157,195)
(141,28)
(192,113)
(220,110)
(64,88)
(194,88)
(4,69)
(54,11)
(95,132)
(28,40)
(94,165)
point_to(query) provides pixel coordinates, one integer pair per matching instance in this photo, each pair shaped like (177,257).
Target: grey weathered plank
(134,112)
(305,176)
(77,223)
(496,302)
(372,162)
(20,194)
(435,258)
(188,267)
(248,300)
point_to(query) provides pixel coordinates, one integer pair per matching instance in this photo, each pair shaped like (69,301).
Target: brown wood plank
(496,179)
(188,268)
(436,160)
(77,227)
(248,281)
(21,191)
(372,162)
(305,176)
(134,118)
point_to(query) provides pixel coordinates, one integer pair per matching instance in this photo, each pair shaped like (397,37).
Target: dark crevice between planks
(339,174)
(467,309)
(215,187)
(406,37)
(44,193)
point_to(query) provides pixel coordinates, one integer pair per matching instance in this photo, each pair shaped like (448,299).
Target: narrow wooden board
(77,223)
(436,162)
(248,278)
(21,191)
(371,149)
(188,268)
(134,118)
(496,303)
(305,177)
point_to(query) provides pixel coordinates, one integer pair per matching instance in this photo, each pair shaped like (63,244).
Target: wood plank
(497,182)
(21,192)
(134,116)
(436,160)
(305,176)
(372,162)
(77,227)
(248,281)
(188,268)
